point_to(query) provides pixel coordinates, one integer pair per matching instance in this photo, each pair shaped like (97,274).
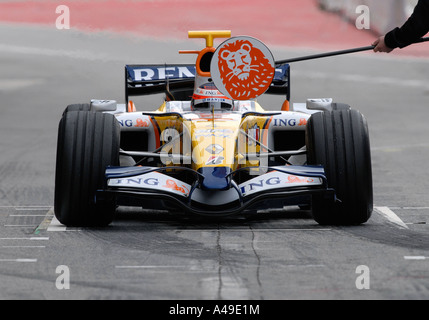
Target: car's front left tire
(339,141)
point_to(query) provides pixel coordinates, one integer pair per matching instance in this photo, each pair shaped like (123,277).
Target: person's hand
(380,46)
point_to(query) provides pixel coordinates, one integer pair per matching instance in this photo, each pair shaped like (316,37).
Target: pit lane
(277,255)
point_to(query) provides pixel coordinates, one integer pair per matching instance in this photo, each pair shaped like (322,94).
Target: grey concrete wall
(384,14)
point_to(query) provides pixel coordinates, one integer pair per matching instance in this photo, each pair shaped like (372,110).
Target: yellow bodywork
(213,139)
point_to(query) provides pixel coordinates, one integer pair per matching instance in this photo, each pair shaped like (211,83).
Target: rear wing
(143,80)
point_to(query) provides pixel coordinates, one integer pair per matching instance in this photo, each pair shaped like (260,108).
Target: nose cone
(215,178)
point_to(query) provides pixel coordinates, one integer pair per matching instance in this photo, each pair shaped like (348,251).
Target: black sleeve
(415,27)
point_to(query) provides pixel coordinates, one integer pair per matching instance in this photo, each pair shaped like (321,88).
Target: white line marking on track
(30,238)
(391,216)
(23,246)
(31,208)
(415,257)
(18,260)
(20,225)
(55,226)
(19,208)
(409,208)
(27,215)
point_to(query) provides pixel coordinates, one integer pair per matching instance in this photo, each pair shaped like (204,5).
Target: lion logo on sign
(244,70)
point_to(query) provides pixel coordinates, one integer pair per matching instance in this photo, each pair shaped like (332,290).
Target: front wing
(139,186)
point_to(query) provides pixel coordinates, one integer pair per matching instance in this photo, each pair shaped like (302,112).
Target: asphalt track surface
(152,255)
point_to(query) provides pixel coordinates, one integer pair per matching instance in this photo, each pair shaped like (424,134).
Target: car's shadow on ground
(135,218)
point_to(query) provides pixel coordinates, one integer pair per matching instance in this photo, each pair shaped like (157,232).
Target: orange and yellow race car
(210,148)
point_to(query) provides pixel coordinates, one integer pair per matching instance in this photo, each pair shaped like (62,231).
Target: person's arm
(415,28)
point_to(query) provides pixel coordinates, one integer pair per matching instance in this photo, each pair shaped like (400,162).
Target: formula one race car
(210,149)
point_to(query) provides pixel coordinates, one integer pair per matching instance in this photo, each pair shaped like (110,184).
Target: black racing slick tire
(77,107)
(88,142)
(339,141)
(340,106)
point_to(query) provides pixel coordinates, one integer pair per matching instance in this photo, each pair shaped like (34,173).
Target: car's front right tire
(88,142)
(77,107)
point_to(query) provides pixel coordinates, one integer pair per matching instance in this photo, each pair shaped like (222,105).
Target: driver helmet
(208,97)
